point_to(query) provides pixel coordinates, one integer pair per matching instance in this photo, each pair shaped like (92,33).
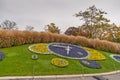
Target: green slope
(18,62)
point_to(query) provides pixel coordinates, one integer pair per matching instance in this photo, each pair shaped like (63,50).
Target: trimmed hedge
(10,38)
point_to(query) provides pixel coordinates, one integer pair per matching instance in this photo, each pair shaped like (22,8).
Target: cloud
(39,13)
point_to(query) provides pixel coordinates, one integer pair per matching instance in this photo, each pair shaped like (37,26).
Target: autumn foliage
(10,38)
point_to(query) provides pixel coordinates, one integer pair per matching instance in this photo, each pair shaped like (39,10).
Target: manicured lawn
(18,62)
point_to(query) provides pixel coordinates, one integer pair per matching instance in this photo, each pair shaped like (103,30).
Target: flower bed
(94,55)
(39,48)
(68,51)
(2,55)
(115,57)
(90,64)
(59,62)
(34,57)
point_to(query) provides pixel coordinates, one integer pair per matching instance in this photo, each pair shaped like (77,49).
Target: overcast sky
(39,13)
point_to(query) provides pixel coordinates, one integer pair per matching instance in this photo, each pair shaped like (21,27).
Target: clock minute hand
(68,49)
(62,46)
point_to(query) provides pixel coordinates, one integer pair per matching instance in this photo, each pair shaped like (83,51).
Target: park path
(110,76)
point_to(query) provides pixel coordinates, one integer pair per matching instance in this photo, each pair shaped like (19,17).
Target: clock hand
(68,49)
(62,46)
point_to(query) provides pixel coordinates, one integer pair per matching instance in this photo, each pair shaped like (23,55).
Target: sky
(39,13)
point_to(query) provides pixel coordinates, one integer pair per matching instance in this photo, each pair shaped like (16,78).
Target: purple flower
(68,50)
(90,64)
(2,55)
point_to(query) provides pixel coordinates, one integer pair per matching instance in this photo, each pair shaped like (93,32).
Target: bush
(10,38)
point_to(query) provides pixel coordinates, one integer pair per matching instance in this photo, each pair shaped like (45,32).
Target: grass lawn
(18,62)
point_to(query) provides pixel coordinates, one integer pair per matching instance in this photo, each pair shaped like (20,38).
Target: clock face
(2,55)
(68,50)
(115,57)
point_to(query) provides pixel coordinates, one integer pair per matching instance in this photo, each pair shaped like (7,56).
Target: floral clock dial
(68,50)
(2,56)
(115,57)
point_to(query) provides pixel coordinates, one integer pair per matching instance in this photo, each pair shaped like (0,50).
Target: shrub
(44,37)
(28,37)
(18,38)
(72,39)
(10,38)
(6,38)
(83,41)
(36,37)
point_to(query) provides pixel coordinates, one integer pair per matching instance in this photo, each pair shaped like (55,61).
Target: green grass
(18,62)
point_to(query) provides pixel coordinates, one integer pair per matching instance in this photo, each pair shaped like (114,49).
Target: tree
(52,28)
(93,18)
(113,33)
(29,28)
(75,31)
(9,25)
(72,31)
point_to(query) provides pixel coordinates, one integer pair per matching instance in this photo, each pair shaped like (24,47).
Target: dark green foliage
(72,31)
(52,28)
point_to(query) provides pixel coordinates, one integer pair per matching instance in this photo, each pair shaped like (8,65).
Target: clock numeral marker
(80,53)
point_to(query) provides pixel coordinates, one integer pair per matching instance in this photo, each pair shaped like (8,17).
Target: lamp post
(34,58)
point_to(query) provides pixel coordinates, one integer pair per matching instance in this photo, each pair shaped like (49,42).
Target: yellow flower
(39,48)
(59,62)
(94,54)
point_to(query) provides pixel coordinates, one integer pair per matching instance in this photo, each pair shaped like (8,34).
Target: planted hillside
(19,61)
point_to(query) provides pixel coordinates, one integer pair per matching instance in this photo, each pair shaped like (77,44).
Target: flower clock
(68,50)
(85,55)
(39,48)
(115,57)
(59,62)
(2,56)
(94,54)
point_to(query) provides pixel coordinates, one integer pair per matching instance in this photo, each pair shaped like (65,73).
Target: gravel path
(109,76)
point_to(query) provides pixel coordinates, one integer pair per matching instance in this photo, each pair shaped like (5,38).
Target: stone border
(58,76)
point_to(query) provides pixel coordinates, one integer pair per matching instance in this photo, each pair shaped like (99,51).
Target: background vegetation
(10,38)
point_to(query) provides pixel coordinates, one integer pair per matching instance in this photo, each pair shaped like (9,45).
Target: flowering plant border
(37,51)
(59,62)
